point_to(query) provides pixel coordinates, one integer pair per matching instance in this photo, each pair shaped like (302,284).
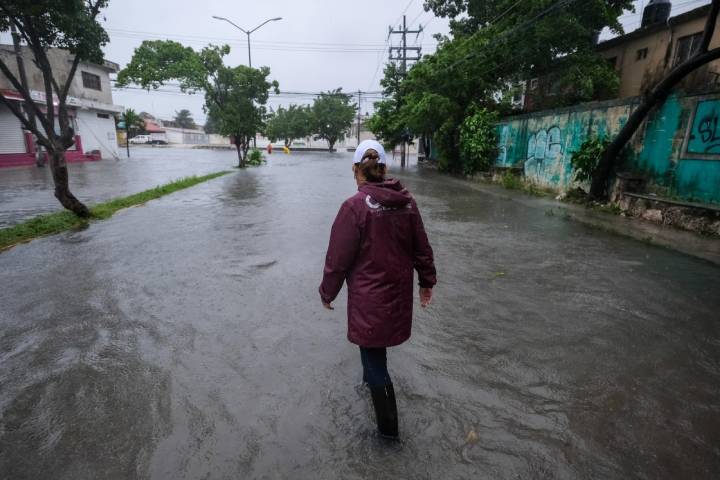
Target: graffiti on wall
(503,138)
(544,148)
(704,136)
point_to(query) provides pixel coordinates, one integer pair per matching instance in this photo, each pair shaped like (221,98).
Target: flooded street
(185,339)
(28,191)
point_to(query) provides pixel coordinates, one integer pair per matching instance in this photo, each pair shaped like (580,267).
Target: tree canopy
(333,115)
(235,97)
(290,123)
(494,48)
(184,119)
(70,25)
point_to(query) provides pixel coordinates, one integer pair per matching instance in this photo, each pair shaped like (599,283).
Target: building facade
(90,106)
(646,55)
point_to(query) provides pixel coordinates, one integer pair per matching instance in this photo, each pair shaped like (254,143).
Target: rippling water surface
(185,339)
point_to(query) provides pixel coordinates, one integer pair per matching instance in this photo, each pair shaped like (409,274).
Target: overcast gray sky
(318,45)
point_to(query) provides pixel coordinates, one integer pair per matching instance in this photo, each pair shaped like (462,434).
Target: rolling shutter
(12,139)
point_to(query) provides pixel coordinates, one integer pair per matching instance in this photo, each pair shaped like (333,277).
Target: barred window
(91,80)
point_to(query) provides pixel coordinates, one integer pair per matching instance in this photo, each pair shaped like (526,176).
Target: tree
(478,141)
(333,114)
(184,119)
(211,125)
(387,123)
(133,122)
(655,97)
(235,97)
(70,25)
(494,46)
(289,124)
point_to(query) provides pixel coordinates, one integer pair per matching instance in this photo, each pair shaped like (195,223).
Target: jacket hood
(389,193)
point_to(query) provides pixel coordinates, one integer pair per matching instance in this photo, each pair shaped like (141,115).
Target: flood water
(185,339)
(28,191)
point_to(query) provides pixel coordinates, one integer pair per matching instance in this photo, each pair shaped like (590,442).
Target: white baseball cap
(366,145)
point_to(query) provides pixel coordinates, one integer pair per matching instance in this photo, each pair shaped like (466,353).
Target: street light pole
(247,32)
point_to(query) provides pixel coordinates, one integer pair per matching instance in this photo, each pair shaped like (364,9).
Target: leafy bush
(255,158)
(510,181)
(585,160)
(478,141)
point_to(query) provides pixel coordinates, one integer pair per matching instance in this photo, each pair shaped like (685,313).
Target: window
(534,84)
(103,115)
(613,62)
(686,47)
(642,54)
(91,80)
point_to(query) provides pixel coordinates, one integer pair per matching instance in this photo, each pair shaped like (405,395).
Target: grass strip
(64,220)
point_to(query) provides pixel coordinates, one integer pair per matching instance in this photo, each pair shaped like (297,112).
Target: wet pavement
(185,339)
(28,191)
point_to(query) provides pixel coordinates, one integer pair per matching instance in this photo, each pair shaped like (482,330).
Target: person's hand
(425,297)
(328,306)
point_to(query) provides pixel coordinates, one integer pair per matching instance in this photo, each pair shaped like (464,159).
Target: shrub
(478,141)
(255,158)
(585,160)
(510,181)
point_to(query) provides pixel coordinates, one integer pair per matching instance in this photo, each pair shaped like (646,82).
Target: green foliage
(585,160)
(387,123)
(255,158)
(332,116)
(495,47)
(235,97)
(289,124)
(211,125)
(67,24)
(133,122)
(511,181)
(62,221)
(184,119)
(478,141)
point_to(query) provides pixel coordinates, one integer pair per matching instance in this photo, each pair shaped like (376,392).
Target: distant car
(140,139)
(157,142)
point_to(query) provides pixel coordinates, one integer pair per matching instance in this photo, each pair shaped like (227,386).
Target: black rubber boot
(385,411)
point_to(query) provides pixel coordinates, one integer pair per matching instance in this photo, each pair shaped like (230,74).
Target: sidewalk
(706,248)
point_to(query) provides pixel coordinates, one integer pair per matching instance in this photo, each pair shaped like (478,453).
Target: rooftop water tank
(657,11)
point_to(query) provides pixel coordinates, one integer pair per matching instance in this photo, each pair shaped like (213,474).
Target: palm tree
(133,122)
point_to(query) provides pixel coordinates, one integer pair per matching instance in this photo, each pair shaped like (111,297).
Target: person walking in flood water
(378,238)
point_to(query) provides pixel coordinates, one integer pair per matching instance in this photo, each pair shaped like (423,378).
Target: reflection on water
(28,191)
(185,339)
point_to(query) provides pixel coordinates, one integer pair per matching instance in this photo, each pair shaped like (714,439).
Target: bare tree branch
(709,27)
(22,91)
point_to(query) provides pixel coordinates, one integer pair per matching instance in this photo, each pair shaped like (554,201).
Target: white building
(91,108)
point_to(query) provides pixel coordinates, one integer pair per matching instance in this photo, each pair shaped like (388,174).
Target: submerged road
(185,339)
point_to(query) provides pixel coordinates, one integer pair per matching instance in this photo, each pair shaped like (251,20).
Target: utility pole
(359,116)
(402,55)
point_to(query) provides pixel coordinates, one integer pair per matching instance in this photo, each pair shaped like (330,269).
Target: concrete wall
(678,147)
(61,62)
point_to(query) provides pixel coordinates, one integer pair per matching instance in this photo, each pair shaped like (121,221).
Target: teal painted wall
(678,147)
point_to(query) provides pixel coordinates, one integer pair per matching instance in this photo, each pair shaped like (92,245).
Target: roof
(111,67)
(699,12)
(152,127)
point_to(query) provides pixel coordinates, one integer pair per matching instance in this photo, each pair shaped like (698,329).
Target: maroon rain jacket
(377,239)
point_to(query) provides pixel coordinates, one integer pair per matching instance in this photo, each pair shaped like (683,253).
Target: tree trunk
(62,188)
(241,160)
(332,144)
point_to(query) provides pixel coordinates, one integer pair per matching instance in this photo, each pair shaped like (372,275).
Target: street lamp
(247,32)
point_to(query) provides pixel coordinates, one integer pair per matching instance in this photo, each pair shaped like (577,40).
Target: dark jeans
(374,362)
